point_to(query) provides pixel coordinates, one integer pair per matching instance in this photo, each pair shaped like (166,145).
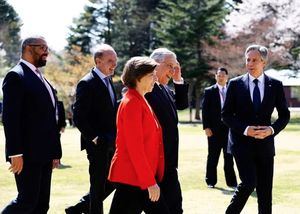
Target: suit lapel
(267,91)
(245,89)
(38,82)
(167,101)
(101,85)
(217,95)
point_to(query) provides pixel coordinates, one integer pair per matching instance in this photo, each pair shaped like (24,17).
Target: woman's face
(146,83)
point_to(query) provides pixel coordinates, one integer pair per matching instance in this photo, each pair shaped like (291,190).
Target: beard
(41,62)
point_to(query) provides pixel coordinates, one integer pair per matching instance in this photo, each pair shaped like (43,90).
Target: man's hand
(177,73)
(263,131)
(208,132)
(55,163)
(259,132)
(16,164)
(154,192)
(62,130)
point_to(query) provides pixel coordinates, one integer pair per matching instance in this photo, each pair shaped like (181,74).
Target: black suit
(164,105)
(95,116)
(211,117)
(30,129)
(61,115)
(254,157)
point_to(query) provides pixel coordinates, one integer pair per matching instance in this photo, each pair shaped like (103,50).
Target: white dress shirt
(220,94)
(261,87)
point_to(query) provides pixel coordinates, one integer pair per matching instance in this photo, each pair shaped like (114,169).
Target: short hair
(136,68)
(101,49)
(159,54)
(31,40)
(222,69)
(263,51)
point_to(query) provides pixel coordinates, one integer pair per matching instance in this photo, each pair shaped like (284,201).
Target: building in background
(291,83)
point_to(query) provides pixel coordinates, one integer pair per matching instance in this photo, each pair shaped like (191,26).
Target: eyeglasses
(169,66)
(42,47)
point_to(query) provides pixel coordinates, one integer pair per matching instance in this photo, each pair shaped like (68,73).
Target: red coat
(139,156)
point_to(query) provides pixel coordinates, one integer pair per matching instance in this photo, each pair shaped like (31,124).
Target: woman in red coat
(138,163)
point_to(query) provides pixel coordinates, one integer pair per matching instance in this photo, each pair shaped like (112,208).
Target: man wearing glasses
(32,137)
(165,103)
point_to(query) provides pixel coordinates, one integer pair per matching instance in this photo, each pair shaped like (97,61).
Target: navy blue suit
(30,129)
(165,108)
(254,157)
(95,116)
(211,117)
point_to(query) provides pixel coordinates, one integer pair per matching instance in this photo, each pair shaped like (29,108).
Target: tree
(65,74)
(9,35)
(131,31)
(184,27)
(92,27)
(229,52)
(284,37)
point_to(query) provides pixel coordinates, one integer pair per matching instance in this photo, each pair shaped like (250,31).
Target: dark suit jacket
(165,110)
(29,117)
(238,113)
(61,115)
(211,111)
(94,113)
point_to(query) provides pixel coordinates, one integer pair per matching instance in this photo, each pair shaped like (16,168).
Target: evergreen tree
(183,26)
(9,34)
(131,31)
(92,27)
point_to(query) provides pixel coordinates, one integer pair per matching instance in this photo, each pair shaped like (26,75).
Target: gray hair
(159,54)
(31,40)
(263,51)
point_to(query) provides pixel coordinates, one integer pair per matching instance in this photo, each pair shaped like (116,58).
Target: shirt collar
(99,73)
(220,87)
(261,78)
(31,66)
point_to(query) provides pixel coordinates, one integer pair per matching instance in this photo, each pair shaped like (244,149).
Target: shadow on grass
(232,190)
(63,166)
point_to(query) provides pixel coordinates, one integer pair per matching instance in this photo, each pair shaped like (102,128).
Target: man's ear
(97,61)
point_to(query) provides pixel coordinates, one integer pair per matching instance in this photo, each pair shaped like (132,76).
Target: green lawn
(71,182)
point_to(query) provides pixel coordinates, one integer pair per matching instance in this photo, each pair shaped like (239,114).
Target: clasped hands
(259,132)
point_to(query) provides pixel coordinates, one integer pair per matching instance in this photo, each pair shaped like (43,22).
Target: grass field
(71,182)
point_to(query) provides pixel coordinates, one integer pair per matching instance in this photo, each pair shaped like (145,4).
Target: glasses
(42,47)
(170,66)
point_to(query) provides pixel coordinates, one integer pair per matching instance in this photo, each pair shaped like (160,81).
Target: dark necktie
(111,93)
(256,95)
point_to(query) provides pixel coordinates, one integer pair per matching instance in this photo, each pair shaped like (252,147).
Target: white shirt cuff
(246,131)
(272,129)
(180,82)
(13,156)
(95,140)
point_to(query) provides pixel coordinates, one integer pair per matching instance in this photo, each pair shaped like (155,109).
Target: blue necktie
(111,93)
(256,96)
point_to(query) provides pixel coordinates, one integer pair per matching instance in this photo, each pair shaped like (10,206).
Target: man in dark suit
(95,115)
(30,126)
(216,131)
(165,104)
(250,101)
